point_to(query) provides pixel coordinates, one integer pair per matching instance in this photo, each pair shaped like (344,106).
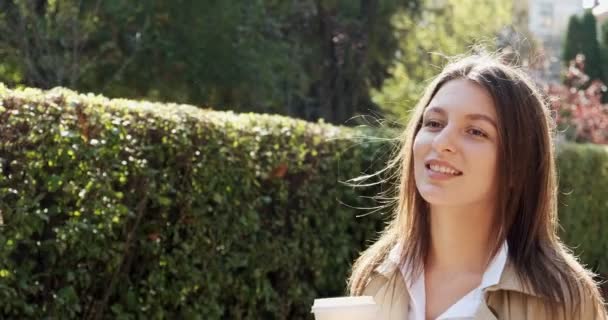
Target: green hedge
(115,209)
(119,209)
(583,179)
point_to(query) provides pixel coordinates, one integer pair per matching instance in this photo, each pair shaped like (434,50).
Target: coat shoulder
(590,308)
(390,295)
(518,305)
(376,282)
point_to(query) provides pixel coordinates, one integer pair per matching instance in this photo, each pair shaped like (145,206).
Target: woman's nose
(444,140)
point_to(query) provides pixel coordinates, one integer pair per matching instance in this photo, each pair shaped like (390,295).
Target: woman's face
(455,151)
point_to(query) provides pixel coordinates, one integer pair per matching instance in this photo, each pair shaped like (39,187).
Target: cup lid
(343,302)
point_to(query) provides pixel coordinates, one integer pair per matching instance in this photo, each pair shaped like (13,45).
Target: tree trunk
(341,92)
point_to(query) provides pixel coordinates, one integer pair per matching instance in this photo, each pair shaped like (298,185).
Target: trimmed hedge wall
(115,209)
(583,177)
(118,209)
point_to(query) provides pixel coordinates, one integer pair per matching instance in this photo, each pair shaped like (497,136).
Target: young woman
(474,233)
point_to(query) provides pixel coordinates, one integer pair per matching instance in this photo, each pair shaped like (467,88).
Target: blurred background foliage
(443,30)
(309,59)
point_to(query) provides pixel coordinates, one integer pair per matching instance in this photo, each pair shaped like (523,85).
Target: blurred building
(600,11)
(547,21)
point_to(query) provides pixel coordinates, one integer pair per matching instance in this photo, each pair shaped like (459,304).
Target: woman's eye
(432,124)
(477,132)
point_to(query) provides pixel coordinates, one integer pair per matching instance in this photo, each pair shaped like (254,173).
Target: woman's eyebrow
(472,116)
(435,109)
(478,116)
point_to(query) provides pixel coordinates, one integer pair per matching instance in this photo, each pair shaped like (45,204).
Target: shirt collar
(490,277)
(494,271)
(466,306)
(508,279)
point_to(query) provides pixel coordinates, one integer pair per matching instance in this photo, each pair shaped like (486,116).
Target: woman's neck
(460,239)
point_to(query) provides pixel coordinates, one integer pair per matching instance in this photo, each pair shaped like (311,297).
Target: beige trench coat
(509,299)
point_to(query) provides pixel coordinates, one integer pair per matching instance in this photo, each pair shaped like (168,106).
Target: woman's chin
(437,196)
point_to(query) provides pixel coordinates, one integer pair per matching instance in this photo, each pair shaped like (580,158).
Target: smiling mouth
(442,170)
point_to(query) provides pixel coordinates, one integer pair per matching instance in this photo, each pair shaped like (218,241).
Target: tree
(604,34)
(307,59)
(59,43)
(445,30)
(571,43)
(590,46)
(356,44)
(581,37)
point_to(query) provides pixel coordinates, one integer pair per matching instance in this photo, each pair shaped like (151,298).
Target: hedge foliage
(116,209)
(583,175)
(121,210)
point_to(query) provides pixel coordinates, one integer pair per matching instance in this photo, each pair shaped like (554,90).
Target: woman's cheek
(422,140)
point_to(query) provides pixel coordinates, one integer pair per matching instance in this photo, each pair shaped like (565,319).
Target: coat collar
(509,279)
(389,289)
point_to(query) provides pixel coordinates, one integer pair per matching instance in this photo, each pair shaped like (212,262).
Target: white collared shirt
(464,308)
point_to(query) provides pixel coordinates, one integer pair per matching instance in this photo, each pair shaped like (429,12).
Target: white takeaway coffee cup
(345,308)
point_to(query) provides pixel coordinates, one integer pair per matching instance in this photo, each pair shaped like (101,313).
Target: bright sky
(589,3)
(601,8)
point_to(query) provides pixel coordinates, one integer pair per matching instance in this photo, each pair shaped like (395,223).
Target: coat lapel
(390,292)
(484,313)
(509,281)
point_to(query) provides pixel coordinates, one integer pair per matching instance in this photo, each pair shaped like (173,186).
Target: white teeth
(441,169)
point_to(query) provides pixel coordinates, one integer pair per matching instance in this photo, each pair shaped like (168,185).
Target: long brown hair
(527,189)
